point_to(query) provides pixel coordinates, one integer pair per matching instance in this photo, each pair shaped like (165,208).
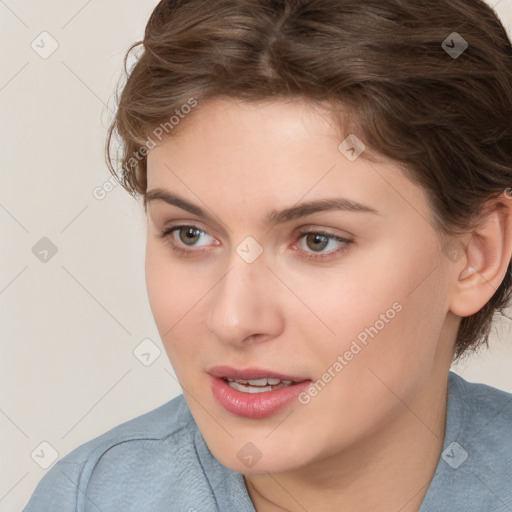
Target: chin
(260,468)
(257,455)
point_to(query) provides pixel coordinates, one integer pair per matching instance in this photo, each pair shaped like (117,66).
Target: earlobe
(488,254)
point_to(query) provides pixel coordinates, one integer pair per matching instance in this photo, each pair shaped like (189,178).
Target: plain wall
(70,321)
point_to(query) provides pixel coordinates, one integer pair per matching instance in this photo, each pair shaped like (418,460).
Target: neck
(390,469)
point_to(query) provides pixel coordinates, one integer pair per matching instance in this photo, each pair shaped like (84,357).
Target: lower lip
(255,405)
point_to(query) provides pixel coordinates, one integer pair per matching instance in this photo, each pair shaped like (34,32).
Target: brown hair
(445,117)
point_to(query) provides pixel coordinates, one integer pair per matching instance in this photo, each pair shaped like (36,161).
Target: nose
(245,305)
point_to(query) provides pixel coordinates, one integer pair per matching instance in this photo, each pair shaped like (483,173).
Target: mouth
(254,392)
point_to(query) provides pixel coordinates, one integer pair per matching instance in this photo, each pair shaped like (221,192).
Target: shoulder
(481,395)
(163,422)
(481,412)
(474,472)
(125,464)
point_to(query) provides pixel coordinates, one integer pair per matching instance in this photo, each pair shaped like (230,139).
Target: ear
(487,256)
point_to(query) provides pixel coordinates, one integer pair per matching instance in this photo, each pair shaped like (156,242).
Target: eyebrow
(274,217)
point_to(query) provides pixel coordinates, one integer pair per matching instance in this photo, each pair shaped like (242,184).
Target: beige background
(70,324)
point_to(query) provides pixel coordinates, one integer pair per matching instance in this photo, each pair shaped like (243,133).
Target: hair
(445,118)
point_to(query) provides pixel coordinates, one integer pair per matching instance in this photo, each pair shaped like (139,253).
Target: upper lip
(224,371)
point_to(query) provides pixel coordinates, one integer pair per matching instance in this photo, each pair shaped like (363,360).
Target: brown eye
(189,235)
(317,245)
(316,241)
(187,240)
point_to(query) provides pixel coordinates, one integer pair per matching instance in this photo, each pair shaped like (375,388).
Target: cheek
(179,300)
(387,317)
(161,293)
(376,363)
(172,291)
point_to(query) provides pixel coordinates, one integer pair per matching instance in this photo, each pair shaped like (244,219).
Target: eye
(317,241)
(189,235)
(180,237)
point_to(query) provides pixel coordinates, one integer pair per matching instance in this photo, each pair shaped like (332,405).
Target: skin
(371,439)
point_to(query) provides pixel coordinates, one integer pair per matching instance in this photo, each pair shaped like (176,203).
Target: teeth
(248,389)
(257,385)
(258,382)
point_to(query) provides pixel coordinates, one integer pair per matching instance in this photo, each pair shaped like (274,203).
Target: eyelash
(167,236)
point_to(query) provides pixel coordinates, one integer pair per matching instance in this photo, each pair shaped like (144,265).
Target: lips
(254,392)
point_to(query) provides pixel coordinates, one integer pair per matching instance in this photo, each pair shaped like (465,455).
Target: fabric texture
(159,462)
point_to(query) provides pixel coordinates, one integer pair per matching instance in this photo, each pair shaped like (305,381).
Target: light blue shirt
(159,462)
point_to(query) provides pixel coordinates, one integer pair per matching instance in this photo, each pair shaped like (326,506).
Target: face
(347,299)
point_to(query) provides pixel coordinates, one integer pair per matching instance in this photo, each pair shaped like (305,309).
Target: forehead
(274,153)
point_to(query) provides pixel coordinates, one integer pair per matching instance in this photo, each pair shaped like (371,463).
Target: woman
(329,227)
